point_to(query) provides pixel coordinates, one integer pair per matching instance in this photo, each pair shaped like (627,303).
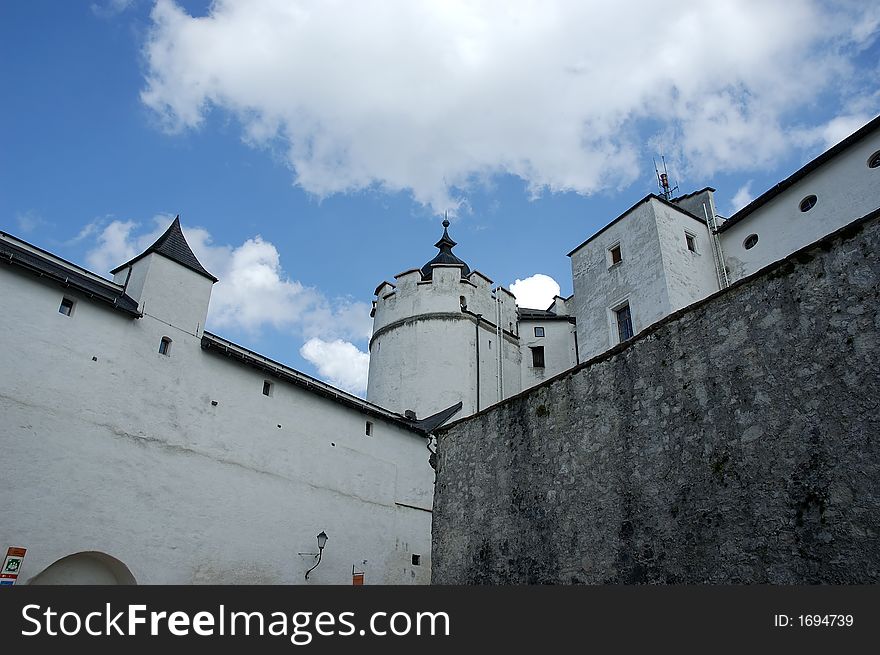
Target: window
(808,203)
(267,388)
(614,253)
(874,160)
(66,307)
(165,346)
(691,241)
(417,560)
(750,241)
(368,430)
(537,356)
(463,302)
(624,323)
(539,332)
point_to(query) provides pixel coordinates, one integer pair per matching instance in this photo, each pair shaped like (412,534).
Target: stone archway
(86,568)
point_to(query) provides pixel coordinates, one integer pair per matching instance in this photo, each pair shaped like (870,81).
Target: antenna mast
(663,180)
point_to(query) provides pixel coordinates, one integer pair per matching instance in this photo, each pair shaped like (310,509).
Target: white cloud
(742,197)
(837,129)
(340,362)
(434,97)
(29,221)
(535,292)
(253,293)
(115,245)
(110,8)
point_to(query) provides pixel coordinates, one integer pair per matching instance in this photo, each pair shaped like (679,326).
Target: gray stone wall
(736,441)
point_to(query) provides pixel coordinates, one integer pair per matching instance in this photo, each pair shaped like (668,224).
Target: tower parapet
(441,335)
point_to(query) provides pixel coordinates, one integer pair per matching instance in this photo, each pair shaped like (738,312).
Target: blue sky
(311,149)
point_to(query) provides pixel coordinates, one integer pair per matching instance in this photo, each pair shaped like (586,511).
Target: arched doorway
(86,568)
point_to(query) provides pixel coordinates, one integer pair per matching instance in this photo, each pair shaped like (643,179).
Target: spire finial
(446,219)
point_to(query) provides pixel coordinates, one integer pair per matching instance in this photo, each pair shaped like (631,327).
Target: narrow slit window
(267,388)
(66,307)
(368,430)
(537,356)
(165,346)
(614,252)
(691,242)
(624,323)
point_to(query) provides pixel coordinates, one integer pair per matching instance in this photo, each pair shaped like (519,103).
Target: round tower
(442,335)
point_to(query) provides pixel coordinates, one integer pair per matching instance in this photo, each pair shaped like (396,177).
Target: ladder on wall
(717,255)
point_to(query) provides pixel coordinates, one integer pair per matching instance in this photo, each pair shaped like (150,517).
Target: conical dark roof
(445,257)
(172,245)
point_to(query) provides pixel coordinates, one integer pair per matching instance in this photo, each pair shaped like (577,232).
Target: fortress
(146,449)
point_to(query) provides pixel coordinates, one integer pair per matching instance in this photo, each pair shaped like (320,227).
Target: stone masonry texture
(736,441)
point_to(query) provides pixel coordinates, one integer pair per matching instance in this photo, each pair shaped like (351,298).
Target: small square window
(267,388)
(539,332)
(417,560)
(537,356)
(691,241)
(368,430)
(616,256)
(66,307)
(165,347)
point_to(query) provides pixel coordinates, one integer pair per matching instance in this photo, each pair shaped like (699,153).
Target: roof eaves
(647,198)
(43,266)
(212,342)
(799,174)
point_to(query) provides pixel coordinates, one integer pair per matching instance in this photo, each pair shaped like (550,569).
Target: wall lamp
(322,541)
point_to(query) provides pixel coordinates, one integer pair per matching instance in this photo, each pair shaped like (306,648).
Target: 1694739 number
(813,620)
(825,620)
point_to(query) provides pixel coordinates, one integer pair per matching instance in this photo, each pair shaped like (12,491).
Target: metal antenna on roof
(663,180)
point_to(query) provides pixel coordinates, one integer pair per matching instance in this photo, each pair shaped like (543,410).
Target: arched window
(165,346)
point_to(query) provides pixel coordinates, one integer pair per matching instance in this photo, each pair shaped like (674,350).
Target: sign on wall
(11,565)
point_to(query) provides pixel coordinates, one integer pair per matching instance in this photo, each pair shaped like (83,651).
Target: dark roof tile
(68,275)
(173,245)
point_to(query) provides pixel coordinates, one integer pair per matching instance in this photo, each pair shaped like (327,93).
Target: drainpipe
(479,316)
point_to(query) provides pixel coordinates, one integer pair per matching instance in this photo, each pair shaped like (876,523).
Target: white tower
(441,335)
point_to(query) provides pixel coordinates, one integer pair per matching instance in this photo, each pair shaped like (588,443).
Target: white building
(650,261)
(835,188)
(139,447)
(661,255)
(443,335)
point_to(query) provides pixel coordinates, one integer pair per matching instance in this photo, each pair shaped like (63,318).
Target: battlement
(445,293)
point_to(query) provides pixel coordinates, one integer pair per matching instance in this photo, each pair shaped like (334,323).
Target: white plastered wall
(117,449)
(845,189)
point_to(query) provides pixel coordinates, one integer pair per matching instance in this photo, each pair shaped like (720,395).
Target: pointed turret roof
(445,257)
(172,244)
